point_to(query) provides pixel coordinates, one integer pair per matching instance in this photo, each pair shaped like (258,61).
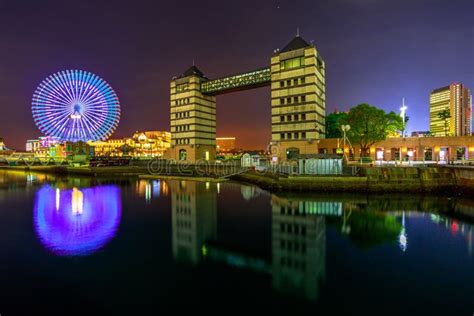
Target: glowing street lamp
(344,129)
(403,111)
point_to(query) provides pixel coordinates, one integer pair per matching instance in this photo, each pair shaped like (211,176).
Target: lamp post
(344,129)
(403,111)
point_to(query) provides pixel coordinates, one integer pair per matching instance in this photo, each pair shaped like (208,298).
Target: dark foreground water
(137,247)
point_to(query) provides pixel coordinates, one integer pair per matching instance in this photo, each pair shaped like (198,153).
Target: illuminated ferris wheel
(76,105)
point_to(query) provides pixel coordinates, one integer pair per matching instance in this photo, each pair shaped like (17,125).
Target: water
(87,246)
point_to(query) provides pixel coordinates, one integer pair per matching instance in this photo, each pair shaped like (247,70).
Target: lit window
(292,63)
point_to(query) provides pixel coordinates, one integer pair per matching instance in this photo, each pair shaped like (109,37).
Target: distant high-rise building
(457,99)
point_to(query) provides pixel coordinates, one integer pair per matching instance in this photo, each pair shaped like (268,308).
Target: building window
(303,135)
(288,118)
(282,118)
(288,100)
(295,81)
(282,84)
(296,117)
(303,80)
(288,135)
(288,83)
(295,136)
(303,98)
(282,135)
(292,63)
(282,101)
(182,87)
(303,116)
(295,99)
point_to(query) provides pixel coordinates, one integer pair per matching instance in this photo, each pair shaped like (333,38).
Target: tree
(333,124)
(370,125)
(445,115)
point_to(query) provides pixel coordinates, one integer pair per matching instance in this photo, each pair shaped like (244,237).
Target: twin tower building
(296,77)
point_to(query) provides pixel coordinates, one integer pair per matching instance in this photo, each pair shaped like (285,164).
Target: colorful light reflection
(77,222)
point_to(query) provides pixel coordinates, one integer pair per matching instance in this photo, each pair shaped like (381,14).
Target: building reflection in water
(151,189)
(194,218)
(298,263)
(77,222)
(299,245)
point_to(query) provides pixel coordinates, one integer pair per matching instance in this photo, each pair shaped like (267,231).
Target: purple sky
(376,51)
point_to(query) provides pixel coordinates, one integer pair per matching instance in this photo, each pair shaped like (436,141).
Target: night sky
(376,51)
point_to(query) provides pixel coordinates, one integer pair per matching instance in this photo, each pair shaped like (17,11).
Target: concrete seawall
(445,180)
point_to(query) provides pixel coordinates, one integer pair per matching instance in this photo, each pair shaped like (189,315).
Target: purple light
(77,222)
(76,105)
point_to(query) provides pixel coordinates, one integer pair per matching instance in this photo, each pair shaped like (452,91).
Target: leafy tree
(333,124)
(445,115)
(370,125)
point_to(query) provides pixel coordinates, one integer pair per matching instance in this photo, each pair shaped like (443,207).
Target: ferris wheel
(76,105)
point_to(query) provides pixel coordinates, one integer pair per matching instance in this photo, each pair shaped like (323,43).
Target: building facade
(297,79)
(298,98)
(442,149)
(193,118)
(457,99)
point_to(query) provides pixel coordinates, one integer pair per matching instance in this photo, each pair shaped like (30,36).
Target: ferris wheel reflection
(77,222)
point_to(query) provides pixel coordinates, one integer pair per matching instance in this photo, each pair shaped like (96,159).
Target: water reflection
(299,245)
(297,265)
(194,219)
(151,189)
(298,230)
(77,222)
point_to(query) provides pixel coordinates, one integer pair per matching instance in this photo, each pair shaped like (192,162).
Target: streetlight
(344,129)
(403,111)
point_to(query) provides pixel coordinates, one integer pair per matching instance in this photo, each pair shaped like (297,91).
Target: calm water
(88,246)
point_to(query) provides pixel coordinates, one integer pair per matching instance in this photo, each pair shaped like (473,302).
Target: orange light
(404,149)
(372,150)
(471,149)
(437,149)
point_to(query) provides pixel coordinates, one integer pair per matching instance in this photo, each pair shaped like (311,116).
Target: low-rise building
(41,146)
(141,144)
(408,148)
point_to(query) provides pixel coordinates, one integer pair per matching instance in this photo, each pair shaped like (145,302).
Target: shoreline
(446,181)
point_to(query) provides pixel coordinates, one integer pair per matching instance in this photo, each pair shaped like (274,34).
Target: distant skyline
(375,51)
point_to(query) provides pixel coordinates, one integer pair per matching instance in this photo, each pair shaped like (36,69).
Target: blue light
(76,105)
(77,222)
